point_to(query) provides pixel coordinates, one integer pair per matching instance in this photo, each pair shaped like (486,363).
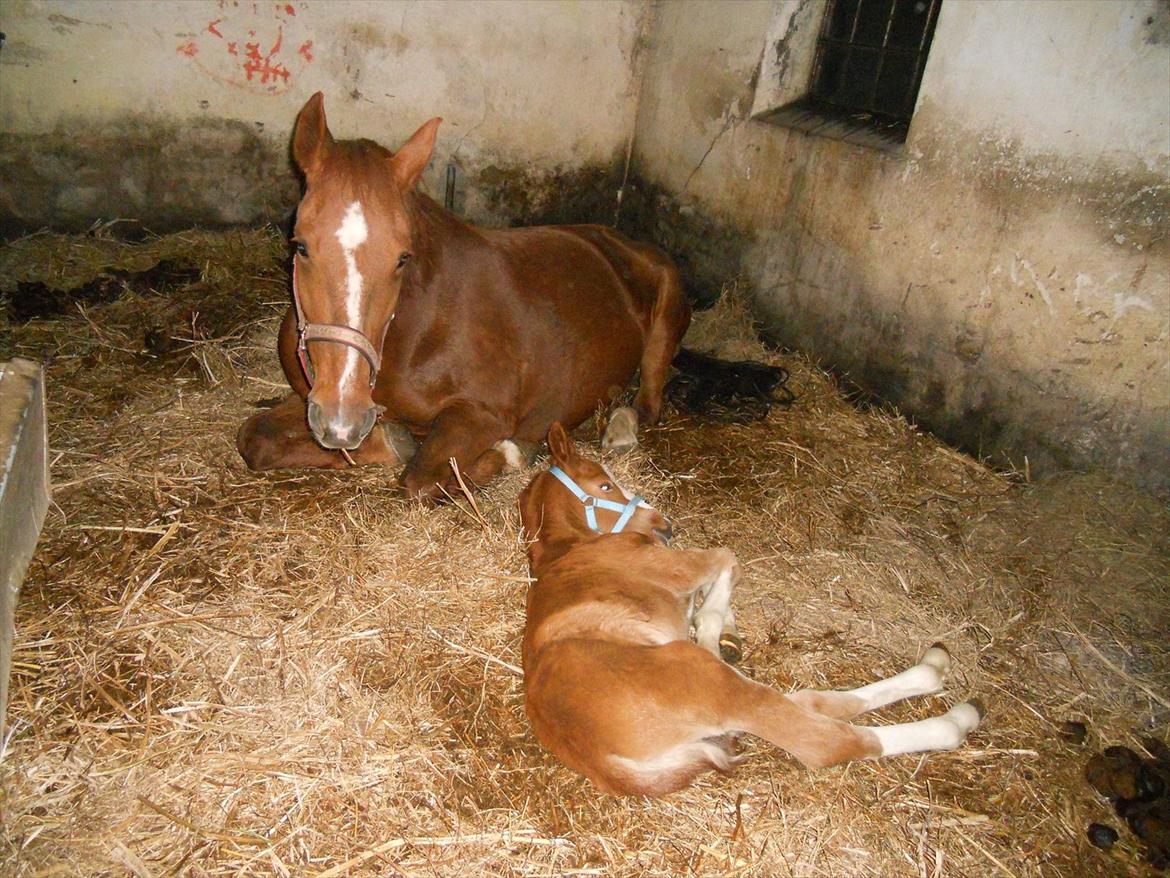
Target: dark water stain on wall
(708,250)
(530,195)
(167,175)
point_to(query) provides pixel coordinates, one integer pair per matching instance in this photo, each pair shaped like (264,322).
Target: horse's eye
(403,258)
(606,486)
(300,249)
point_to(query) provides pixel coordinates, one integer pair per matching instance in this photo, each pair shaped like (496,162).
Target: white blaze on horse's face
(351,234)
(342,282)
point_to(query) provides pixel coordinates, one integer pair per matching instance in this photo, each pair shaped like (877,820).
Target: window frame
(793,61)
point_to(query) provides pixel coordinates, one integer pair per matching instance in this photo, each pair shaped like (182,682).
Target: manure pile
(223,673)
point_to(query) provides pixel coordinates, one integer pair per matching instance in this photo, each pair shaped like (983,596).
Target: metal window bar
(901,109)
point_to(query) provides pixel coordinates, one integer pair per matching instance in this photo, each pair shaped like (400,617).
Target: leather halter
(592,503)
(334,332)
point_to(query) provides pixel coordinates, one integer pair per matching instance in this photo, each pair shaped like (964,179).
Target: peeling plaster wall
(180,113)
(1004,278)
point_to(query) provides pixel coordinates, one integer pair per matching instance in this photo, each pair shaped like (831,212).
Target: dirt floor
(224,673)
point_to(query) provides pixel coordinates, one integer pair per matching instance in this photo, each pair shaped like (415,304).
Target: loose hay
(223,673)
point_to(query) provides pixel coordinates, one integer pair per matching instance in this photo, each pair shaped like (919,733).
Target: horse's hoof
(730,647)
(621,434)
(619,447)
(400,440)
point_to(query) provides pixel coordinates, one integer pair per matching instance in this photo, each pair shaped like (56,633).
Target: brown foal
(614,685)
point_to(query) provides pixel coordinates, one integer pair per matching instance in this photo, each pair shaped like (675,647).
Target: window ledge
(825,120)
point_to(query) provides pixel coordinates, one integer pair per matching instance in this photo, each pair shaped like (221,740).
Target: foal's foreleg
(714,621)
(925,678)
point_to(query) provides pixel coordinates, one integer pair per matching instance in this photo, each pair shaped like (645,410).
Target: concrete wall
(1004,277)
(180,113)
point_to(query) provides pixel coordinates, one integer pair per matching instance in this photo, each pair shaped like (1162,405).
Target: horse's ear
(311,138)
(411,160)
(560,446)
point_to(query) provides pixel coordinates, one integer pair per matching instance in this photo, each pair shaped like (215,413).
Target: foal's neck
(561,536)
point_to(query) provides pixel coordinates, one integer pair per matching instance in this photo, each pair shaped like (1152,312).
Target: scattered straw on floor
(224,673)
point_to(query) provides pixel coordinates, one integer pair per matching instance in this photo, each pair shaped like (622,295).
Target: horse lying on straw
(615,688)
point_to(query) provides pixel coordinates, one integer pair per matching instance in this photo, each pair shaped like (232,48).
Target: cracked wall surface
(1004,277)
(179,114)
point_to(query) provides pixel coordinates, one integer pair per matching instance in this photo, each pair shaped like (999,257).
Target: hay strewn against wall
(223,673)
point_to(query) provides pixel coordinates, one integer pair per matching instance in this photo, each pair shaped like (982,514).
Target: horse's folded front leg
(279,438)
(465,432)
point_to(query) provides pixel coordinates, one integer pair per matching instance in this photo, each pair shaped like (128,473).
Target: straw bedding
(224,673)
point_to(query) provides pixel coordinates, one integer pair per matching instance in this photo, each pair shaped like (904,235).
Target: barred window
(866,71)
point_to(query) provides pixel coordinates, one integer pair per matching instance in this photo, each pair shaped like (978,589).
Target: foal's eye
(606,486)
(403,258)
(300,249)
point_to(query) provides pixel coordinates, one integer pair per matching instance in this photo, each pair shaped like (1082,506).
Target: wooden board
(24,492)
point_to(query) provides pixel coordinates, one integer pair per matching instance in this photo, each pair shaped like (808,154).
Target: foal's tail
(731,392)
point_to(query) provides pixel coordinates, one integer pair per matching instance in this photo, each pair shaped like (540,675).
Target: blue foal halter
(592,503)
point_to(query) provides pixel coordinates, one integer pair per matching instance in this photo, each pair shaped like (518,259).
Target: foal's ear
(411,160)
(311,138)
(560,446)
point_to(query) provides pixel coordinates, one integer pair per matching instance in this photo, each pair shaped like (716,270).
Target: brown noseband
(334,332)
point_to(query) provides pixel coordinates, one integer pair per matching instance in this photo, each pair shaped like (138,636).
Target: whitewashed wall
(1005,276)
(117,105)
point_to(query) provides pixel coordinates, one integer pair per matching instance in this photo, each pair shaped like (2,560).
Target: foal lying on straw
(615,688)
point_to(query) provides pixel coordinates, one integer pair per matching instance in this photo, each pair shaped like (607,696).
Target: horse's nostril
(665,533)
(314,415)
(368,421)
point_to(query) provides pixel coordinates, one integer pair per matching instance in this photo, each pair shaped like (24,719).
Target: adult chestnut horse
(475,340)
(615,688)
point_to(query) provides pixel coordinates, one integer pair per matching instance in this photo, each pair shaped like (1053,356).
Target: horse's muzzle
(337,432)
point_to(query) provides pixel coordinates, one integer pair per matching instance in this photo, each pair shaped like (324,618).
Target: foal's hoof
(937,657)
(730,647)
(968,715)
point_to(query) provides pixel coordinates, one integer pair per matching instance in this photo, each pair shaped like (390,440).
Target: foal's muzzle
(336,432)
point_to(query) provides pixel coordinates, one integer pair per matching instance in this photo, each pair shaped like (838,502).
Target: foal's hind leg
(818,740)
(925,678)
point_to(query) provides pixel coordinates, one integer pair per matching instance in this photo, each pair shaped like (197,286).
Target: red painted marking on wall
(268,71)
(245,53)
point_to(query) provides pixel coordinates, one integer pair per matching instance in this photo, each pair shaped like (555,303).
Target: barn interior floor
(219,672)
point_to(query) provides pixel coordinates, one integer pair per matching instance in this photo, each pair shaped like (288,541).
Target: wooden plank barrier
(24,493)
